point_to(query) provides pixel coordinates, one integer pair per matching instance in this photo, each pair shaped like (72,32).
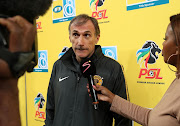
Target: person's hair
(175,24)
(29,9)
(82,19)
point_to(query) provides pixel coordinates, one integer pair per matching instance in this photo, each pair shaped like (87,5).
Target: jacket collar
(70,61)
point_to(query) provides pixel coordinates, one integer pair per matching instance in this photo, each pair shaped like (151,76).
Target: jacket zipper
(78,79)
(75,101)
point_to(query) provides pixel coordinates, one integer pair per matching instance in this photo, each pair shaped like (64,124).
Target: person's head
(29,9)
(84,34)
(171,45)
(22,15)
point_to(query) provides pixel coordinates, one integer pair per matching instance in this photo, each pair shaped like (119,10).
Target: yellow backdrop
(125,24)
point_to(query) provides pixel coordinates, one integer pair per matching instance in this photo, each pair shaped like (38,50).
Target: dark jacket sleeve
(120,90)
(50,105)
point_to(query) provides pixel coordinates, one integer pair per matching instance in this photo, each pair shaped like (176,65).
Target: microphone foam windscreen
(87,67)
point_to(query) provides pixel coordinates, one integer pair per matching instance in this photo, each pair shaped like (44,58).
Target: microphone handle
(93,92)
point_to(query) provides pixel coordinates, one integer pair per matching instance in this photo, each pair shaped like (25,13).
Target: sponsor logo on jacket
(98,80)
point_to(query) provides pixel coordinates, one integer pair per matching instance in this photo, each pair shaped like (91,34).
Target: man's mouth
(81,49)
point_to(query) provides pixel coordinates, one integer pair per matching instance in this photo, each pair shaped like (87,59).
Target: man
(68,102)
(15,17)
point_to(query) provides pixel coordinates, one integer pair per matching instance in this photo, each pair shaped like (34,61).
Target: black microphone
(88,69)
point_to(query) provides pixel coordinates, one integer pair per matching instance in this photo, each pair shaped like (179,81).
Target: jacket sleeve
(50,105)
(120,90)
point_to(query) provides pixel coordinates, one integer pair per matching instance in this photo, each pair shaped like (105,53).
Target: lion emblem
(96,3)
(148,54)
(39,101)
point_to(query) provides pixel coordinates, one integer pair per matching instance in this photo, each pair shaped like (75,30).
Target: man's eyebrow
(75,31)
(87,32)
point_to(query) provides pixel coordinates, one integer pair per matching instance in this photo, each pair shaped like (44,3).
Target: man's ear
(69,38)
(97,38)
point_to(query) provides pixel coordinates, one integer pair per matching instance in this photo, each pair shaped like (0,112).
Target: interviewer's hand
(106,95)
(22,33)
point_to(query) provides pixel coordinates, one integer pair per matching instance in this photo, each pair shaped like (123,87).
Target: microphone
(88,69)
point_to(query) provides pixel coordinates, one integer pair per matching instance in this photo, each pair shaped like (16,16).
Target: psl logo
(38,25)
(101,14)
(38,104)
(148,55)
(63,52)
(97,3)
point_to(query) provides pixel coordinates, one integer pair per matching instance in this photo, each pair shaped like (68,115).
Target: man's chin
(82,57)
(79,59)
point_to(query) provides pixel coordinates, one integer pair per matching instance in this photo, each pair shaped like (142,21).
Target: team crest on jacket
(98,80)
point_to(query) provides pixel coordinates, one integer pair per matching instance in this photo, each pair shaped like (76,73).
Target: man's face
(83,39)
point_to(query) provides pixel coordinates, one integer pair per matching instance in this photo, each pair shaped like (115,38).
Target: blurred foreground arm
(124,107)
(21,38)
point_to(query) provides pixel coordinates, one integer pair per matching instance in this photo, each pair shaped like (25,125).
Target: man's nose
(80,41)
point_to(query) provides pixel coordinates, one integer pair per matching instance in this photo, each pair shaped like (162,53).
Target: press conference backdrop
(131,31)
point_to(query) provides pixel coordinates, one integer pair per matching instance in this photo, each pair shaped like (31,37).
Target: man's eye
(75,34)
(87,35)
